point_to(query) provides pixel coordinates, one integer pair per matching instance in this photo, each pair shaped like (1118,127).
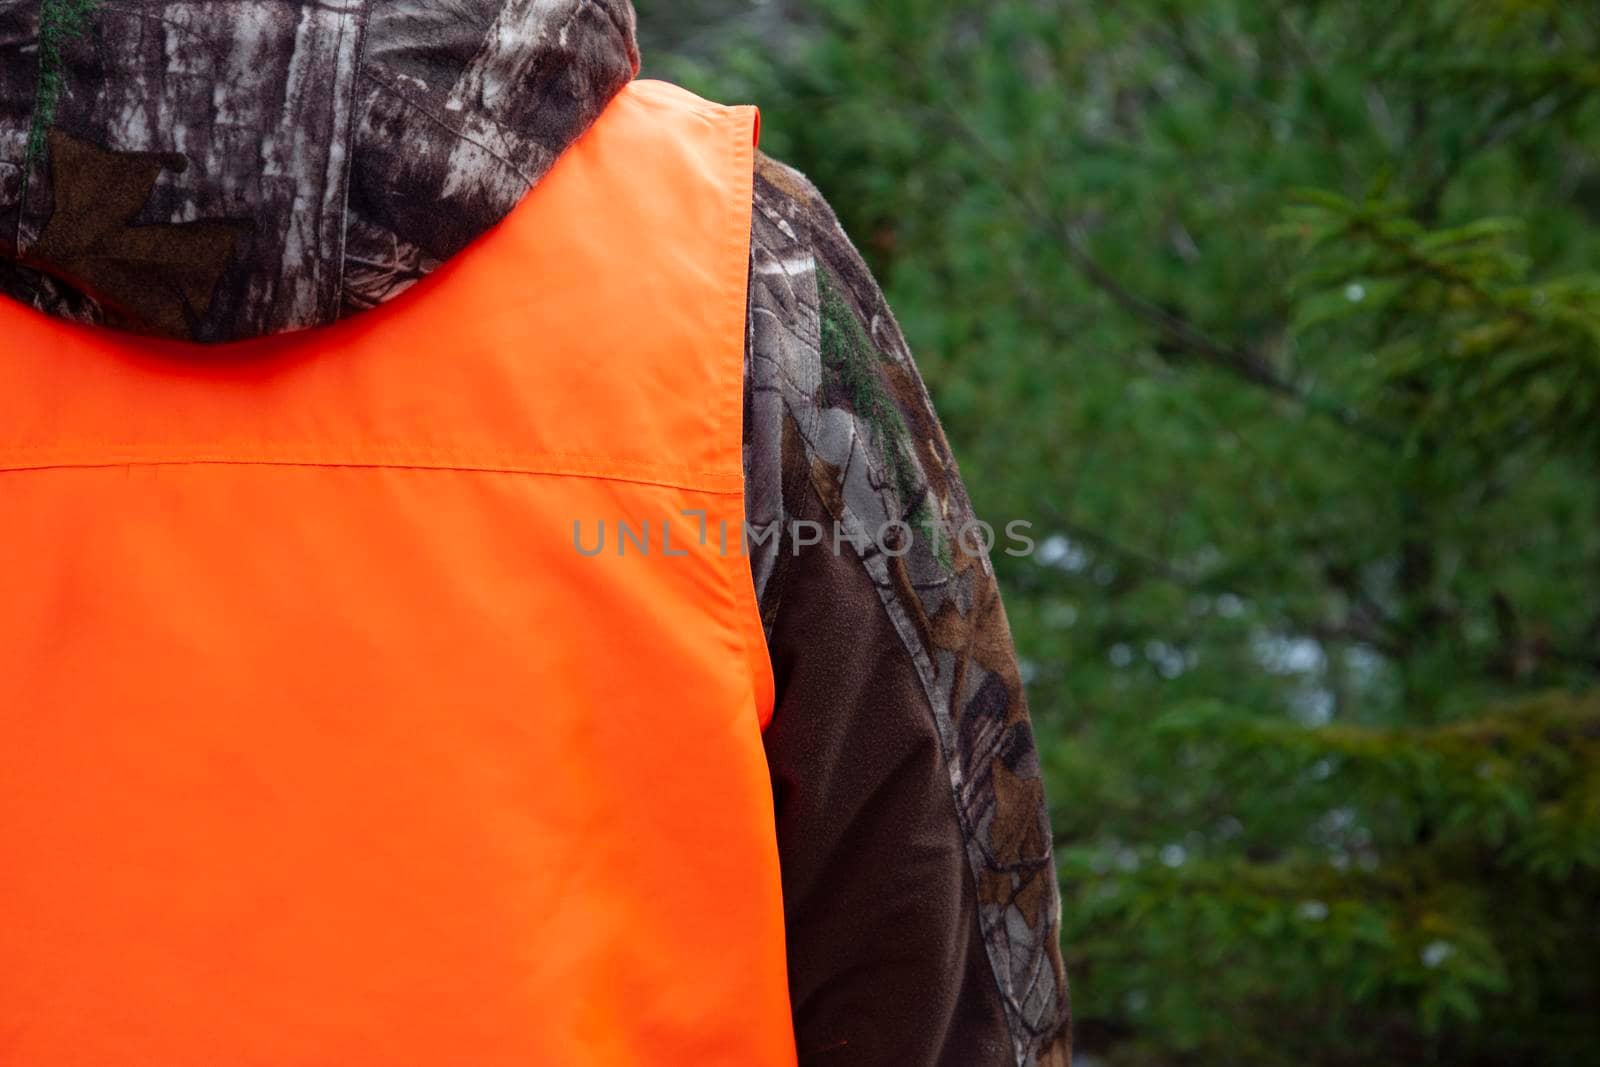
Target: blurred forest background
(1280,320)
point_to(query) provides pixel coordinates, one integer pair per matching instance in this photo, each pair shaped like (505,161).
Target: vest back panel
(321,741)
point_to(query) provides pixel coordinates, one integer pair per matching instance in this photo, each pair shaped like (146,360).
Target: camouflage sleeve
(919,888)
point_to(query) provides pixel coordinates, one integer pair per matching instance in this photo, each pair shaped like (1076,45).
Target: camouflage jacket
(291,164)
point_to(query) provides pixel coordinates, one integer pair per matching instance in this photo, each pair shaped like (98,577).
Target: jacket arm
(919,889)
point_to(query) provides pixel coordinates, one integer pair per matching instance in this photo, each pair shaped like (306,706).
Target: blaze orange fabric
(320,740)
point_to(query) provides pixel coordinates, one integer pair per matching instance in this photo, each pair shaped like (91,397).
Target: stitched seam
(463,468)
(318,454)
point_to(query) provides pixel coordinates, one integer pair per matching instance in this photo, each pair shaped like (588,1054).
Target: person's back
(390,682)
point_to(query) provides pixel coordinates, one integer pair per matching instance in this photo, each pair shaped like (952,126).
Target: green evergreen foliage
(1280,320)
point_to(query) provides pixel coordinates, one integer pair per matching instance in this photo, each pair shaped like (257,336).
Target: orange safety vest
(321,741)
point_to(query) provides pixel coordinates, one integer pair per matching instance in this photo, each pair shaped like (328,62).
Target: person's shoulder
(834,387)
(791,206)
(825,338)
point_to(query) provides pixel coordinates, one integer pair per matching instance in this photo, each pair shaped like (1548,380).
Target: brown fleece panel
(886,959)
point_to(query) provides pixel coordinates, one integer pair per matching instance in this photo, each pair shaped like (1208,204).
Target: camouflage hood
(216,172)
